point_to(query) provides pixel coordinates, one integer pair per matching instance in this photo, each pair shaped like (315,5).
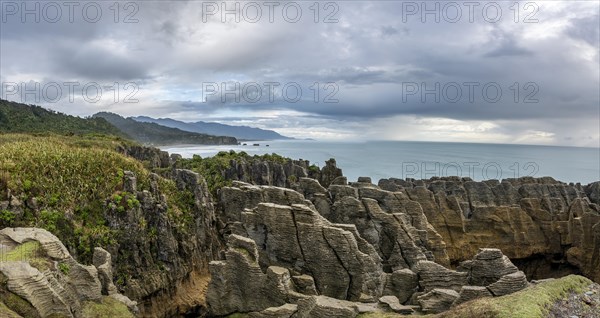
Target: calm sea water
(402,159)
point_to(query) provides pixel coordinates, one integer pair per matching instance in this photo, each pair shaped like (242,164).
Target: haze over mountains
(239,132)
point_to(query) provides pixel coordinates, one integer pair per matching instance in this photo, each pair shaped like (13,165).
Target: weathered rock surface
(544,226)
(437,300)
(508,284)
(471,292)
(435,276)
(48,279)
(402,283)
(164,271)
(337,252)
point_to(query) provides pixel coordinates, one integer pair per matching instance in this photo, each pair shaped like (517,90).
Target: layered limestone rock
(37,268)
(338,252)
(546,227)
(393,224)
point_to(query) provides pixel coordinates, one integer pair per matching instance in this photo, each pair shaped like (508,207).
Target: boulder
(102,261)
(49,278)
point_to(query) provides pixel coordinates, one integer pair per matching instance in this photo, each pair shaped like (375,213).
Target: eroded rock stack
(341,251)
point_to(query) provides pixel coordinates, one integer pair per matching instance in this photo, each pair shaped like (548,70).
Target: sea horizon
(425,159)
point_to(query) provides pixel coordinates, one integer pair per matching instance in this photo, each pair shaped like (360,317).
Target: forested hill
(21,118)
(32,119)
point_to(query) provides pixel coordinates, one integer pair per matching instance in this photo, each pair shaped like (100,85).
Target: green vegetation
(534,302)
(109,307)
(213,168)
(21,118)
(30,252)
(72,180)
(7,217)
(151,133)
(31,119)
(64,268)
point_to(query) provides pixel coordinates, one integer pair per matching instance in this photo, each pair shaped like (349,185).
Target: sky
(498,72)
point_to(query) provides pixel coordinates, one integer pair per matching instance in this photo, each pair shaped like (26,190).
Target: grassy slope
(72,179)
(21,118)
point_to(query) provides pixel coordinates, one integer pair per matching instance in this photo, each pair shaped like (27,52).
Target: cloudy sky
(493,72)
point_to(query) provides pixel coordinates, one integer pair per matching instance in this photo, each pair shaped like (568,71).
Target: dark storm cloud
(98,63)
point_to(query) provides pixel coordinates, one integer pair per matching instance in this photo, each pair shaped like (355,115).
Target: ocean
(423,160)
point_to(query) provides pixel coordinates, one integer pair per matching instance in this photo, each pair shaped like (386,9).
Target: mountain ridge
(212,128)
(153,133)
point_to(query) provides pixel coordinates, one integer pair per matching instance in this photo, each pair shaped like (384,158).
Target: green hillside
(21,118)
(32,119)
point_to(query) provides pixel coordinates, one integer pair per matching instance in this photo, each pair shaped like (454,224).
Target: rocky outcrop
(546,227)
(280,173)
(162,262)
(37,269)
(153,157)
(338,252)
